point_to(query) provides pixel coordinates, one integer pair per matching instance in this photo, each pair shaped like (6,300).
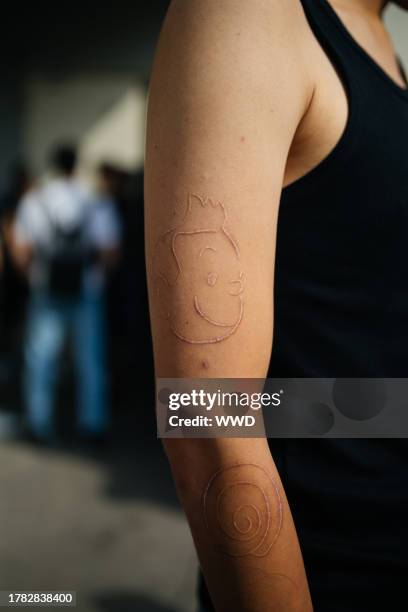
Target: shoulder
(254,51)
(101,210)
(100,203)
(264,16)
(82,188)
(103,223)
(260,29)
(29,219)
(29,205)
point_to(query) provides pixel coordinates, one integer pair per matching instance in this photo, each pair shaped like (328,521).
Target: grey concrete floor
(107,525)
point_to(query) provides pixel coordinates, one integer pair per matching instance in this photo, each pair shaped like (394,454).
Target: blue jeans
(50,322)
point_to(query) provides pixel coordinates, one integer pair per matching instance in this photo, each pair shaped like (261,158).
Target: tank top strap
(360,73)
(337,43)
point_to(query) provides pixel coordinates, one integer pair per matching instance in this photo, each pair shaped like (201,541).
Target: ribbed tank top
(341,310)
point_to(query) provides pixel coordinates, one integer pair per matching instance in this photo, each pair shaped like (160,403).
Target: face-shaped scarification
(199,255)
(243,510)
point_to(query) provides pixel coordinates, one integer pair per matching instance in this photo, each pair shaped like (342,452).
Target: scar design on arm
(204,219)
(243,510)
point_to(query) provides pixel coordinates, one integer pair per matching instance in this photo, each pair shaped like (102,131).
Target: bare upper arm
(228,91)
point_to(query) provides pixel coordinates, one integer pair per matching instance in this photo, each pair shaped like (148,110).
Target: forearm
(241,524)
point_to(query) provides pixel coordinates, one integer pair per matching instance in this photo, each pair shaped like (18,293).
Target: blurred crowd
(74,331)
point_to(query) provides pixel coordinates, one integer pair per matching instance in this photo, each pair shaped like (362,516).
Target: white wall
(397,22)
(104,114)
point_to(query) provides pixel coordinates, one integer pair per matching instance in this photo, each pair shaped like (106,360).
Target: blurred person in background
(113,183)
(12,284)
(66,240)
(127,306)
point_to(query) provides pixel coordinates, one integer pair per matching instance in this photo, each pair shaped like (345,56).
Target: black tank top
(341,310)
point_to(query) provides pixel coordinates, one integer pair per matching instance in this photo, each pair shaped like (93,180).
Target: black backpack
(63,262)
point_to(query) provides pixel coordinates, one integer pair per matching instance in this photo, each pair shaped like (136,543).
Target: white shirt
(67,202)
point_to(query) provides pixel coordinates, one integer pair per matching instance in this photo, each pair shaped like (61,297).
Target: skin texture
(242,102)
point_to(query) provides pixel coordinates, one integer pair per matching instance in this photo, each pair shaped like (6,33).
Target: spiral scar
(204,219)
(243,510)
